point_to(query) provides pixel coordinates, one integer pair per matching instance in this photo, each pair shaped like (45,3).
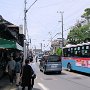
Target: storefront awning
(4,43)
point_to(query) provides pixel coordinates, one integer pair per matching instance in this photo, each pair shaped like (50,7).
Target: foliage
(86,14)
(59,51)
(79,33)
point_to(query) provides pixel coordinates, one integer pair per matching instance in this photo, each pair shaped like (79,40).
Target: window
(53,58)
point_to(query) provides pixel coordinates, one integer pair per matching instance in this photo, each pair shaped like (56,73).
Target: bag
(34,76)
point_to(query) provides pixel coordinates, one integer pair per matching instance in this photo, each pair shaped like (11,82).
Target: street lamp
(56,35)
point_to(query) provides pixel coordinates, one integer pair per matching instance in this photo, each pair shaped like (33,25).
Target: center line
(42,86)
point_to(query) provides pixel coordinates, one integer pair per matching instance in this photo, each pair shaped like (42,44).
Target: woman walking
(32,64)
(27,73)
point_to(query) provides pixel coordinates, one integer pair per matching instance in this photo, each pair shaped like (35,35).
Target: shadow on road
(55,73)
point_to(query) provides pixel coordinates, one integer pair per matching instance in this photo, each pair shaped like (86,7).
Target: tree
(79,34)
(86,14)
(59,51)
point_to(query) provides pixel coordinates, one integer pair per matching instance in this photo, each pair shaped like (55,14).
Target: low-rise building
(57,43)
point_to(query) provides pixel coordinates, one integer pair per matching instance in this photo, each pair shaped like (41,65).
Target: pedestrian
(33,65)
(17,71)
(18,58)
(27,73)
(11,69)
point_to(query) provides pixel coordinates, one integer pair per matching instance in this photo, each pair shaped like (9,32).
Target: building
(11,42)
(37,51)
(57,43)
(10,33)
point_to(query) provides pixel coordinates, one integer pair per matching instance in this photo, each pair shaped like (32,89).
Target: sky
(43,21)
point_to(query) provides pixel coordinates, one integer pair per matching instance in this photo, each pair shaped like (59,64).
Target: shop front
(7,48)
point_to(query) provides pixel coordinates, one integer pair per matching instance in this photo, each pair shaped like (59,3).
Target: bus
(77,57)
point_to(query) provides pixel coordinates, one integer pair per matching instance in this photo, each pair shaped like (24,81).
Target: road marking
(42,86)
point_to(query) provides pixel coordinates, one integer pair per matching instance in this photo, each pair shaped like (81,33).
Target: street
(55,34)
(53,81)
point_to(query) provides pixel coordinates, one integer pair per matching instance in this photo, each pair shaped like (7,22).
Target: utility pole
(62,27)
(41,47)
(25,28)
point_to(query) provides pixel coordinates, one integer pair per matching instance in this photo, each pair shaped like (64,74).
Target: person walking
(19,58)
(11,69)
(32,64)
(27,73)
(17,71)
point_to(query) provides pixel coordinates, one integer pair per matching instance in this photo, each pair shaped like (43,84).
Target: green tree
(59,51)
(86,14)
(79,34)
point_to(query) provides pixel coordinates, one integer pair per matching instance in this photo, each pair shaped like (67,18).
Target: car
(39,56)
(50,63)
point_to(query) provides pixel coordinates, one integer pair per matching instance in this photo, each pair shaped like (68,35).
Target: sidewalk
(5,85)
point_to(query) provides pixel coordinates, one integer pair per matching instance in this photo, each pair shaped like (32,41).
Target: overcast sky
(42,18)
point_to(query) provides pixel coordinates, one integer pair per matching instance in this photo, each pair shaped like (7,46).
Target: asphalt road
(53,81)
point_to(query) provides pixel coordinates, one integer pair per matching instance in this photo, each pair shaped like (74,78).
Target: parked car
(50,63)
(39,57)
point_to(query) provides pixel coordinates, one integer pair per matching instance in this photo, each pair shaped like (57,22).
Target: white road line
(42,86)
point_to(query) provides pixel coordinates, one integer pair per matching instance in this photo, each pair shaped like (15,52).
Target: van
(50,63)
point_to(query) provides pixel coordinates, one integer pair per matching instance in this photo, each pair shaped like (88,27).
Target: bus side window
(65,52)
(69,52)
(88,53)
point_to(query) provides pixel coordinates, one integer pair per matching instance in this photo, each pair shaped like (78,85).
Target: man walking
(11,69)
(17,71)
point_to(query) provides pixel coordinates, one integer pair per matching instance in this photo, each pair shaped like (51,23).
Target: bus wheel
(69,68)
